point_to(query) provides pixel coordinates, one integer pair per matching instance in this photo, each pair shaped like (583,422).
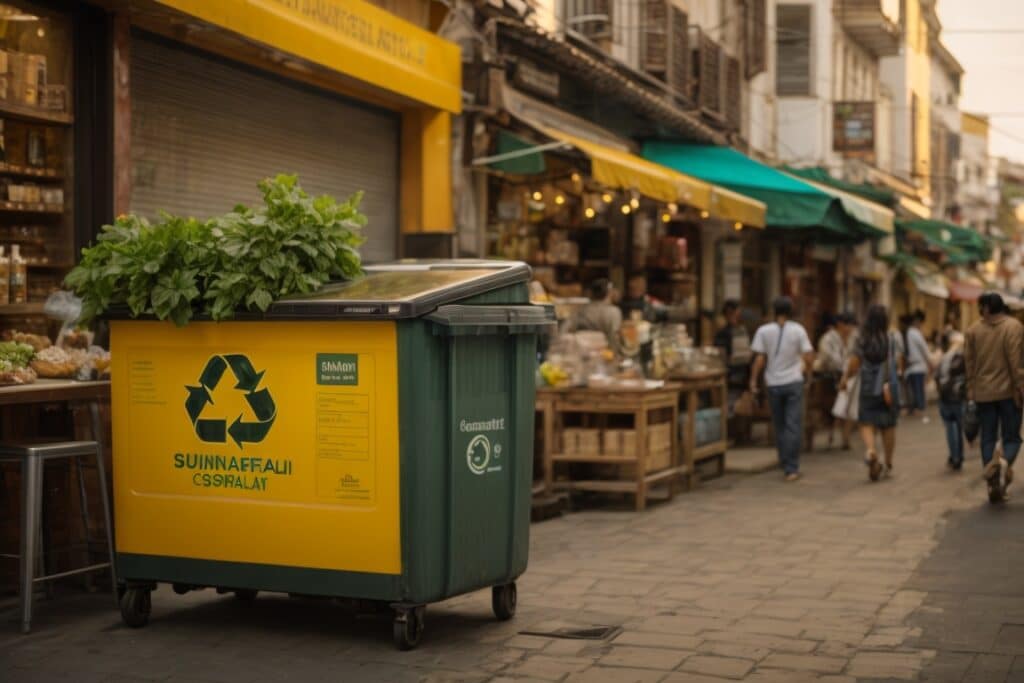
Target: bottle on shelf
(19,276)
(5,277)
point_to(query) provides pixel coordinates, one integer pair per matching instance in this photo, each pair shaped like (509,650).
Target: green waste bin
(371,441)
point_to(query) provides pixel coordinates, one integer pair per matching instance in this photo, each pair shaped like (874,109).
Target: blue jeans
(999,418)
(786,402)
(915,383)
(953,418)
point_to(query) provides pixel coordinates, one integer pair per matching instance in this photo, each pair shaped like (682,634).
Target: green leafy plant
(243,260)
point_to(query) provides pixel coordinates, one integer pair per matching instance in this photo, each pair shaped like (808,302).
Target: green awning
(869,192)
(529,163)
(792,203)
(961,245)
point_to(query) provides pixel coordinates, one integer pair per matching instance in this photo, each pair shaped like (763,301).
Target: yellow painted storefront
(353,48)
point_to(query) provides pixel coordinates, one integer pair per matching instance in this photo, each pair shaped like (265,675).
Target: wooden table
(61,391)
(692,384)
(601,402)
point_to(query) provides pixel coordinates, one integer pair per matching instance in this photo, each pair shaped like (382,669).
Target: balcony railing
(872,23)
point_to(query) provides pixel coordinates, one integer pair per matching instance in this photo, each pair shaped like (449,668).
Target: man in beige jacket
(994,356)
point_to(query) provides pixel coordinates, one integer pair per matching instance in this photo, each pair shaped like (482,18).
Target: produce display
(55,362)
(178,268)
(14,360)
(36,341)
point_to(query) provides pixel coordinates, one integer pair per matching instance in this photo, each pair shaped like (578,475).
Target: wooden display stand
(691,386)
(645,455)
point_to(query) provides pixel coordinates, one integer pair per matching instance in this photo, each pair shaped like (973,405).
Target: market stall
(631,420)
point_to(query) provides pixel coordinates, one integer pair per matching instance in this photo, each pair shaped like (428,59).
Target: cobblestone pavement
(748,578)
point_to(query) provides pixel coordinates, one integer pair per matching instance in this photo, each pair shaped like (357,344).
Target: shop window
(36,219)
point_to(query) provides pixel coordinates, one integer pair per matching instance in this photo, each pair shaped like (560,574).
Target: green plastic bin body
(466,367)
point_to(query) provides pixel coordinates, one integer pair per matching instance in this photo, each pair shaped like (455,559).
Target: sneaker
(793,476)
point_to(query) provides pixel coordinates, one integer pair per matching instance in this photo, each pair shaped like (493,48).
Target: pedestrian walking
(994,358)
(918,366)
(829,365)
(876,362)
(951,382)
(785,354)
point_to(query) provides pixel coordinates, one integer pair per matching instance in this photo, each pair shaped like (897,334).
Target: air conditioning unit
(590,18)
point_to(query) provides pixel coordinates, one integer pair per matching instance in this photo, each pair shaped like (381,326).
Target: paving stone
(663,640)
(724,667)
(612,674)
(643,657)
(737,650)
(816,663)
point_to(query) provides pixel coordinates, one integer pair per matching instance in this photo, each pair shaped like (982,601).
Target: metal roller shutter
(204,132)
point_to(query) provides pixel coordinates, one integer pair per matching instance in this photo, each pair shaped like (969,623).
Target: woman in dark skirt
(877,360)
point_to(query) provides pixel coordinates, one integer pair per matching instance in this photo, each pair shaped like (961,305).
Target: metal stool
(32,456)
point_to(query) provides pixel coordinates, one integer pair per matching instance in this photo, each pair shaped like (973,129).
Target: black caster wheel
(135,607)
(181,588)
(503,601)
(407,628)
(246,595)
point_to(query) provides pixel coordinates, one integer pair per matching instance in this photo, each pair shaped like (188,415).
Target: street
(747,578)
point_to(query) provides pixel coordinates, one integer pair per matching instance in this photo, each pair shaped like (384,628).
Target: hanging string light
(560,199)
(606,198)
(626,208)
(589,212)
(737,226)
(538,195)
(704,215)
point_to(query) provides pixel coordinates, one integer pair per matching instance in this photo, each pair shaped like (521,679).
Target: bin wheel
(503,600)
(407,628)
(181,588)
(246,595)
(135,607)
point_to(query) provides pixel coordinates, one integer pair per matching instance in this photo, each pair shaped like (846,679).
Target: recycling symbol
(217,429)
(478,454)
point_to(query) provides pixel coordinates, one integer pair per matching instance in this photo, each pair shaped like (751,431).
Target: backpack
(952,379)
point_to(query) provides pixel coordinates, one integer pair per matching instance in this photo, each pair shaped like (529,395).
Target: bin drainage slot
(588,633)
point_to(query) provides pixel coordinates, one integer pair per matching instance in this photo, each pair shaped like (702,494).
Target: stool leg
(83,503)
(31,513)
(101,470)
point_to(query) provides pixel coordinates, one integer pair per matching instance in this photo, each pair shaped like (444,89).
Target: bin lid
(404,289)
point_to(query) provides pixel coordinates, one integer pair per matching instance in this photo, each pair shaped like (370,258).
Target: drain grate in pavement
(588,633)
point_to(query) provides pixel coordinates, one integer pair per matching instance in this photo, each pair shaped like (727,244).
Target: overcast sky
(994,61)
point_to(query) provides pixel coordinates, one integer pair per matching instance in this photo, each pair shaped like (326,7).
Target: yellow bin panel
(271,443)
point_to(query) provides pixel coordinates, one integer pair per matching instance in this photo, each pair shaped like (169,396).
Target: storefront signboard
(352,37)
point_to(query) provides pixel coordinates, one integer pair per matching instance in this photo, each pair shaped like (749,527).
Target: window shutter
(665,47)
(655,45)
(733,96)
(679,59)
(708,72)
(756,37)
(793,41)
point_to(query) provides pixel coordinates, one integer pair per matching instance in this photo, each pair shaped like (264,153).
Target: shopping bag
(972,423)
(841,407)
(745,405)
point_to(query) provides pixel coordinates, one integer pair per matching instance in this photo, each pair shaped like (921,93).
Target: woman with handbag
(875,362)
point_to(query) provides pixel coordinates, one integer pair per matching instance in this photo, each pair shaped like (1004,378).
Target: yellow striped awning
(625,171)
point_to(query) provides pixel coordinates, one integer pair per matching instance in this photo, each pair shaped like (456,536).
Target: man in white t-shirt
(784,352)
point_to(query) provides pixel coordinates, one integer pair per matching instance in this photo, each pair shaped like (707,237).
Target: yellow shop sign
(351,37)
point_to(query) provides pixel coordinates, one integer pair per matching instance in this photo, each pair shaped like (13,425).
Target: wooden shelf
(613,486)
(51,266)
(710,450)
(45,174)
(610,459)
(35,114)
(26,207)
(31,308)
